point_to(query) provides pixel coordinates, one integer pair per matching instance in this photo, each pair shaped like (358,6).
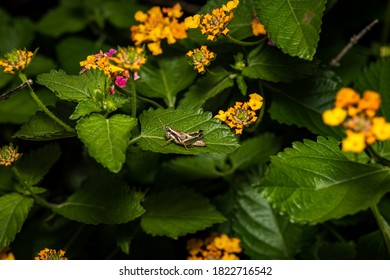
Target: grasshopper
(15,90)
(190,139)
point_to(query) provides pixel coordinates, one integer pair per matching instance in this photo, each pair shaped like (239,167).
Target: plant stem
(245,44)
(135,139)
(44,108)
(373,154)
(29,189)
(133,98)
(383,226)
(144,99)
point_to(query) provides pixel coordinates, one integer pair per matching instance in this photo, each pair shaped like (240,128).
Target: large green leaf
(375,77)
(34,165)
(203,166)
(16,33)
(166,78)
(90,86)
(256,150)
(102,199)
(177,212)
(14,211)
(218,137)
(41,127)
(293,25)
(106,139)
(207,87)
(302,103)
(314,182)
(264,234)
(65,18)
(267,63)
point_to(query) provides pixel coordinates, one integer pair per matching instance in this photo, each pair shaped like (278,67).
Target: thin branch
(8,94)
(335,62)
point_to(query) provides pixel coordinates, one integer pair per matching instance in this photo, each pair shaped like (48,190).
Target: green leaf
(207,87)
(72,20)
(314,182)
(267,63)
(264,234)
(302,103)
(119,13)
(375,78)
(372,247)
(88,86)
(14,211)
(18,108)
(125,234)
(177,212)
(16,33)
(218,137)
(203,166)
(256,150)
(106,139)
(102,199)
(36,164)
(41,127)
(6,180)
(165,78)
(293,25)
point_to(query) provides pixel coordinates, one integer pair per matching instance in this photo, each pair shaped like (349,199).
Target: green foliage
(106,200)
(98,161)
(310,189)
(217,137)
(177,212)
(14,211)
(106,139)
(303,19)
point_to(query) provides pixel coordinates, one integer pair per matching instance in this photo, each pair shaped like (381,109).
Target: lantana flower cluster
(242,114)
(157,25)
(6,254)
(200,58)
(16,61)
(51,254)
(214,247)
(358,116)
(214,23)
(117,65)
(8,155)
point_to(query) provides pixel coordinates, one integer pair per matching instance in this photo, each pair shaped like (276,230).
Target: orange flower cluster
(8,155)
(16,61)
(116,64)
(201,58)
(358,115)
(242,114)
(215,23)
(50,254)
(257,27)
(6,254)
(157,25)
(214,247)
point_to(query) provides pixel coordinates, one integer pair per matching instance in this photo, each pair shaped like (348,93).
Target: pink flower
(110,53)
(136,76)
(121,81)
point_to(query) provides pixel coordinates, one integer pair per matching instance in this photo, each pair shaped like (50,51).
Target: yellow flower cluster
(257,27)
(50,254)
(116,64)
(358,115)
(214,247)
(8,155)
(6,254)
(242,114)
(215,23)
(16,61)
(201,58)
(157,25)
